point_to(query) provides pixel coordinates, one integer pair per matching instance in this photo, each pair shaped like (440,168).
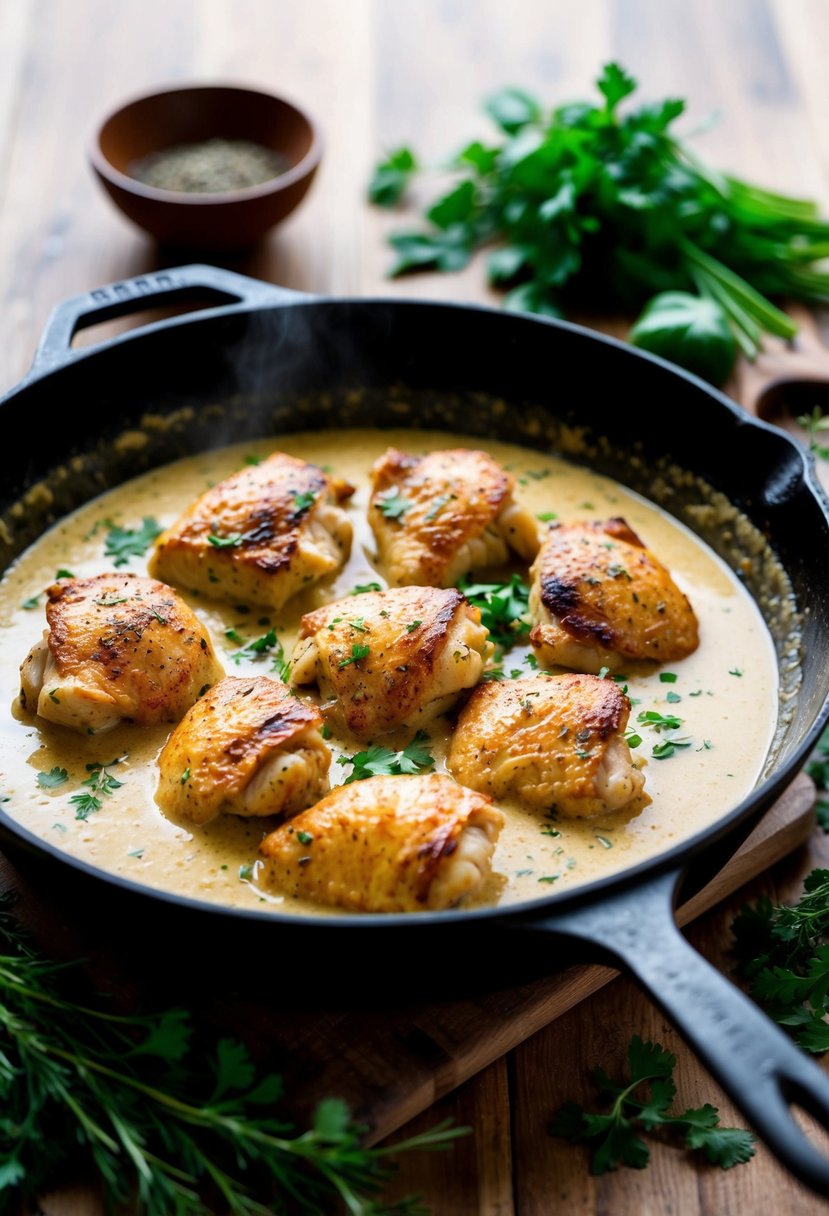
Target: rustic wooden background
(378,73)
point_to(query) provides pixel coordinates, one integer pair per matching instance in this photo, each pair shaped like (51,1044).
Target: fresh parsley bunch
(592,208)
(783,952)
(165,1129)
(640,1103)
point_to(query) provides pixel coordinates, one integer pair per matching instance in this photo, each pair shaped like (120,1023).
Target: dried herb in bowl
(211,166)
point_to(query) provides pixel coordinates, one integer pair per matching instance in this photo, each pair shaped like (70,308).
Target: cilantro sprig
(383,761)
(783,952)
(600,199)
(124,543)
(504,609)
(642,1103)
(166,1117)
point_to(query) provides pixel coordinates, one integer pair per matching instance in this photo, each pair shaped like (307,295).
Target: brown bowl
(231,219)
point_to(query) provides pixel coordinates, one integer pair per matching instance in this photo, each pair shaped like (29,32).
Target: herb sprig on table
(783,953)
(641,1103)
(589,206)
(170,1130)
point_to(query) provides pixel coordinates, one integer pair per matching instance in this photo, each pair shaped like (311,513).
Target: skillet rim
(271,298)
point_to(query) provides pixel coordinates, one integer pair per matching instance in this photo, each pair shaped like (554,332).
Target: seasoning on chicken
(387,844)
(259,536)
(248,747)
(391,658)
(554,742)
(118,647)
(599,597)
(436,517)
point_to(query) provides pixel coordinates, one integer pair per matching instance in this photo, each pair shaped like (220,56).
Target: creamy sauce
(725,693)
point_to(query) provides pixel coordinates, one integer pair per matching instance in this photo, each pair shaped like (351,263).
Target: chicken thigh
(391,658)
(436,517)
(248,747)
(387,844)
(553,742)
(599,597)
(117,647)
(259,536)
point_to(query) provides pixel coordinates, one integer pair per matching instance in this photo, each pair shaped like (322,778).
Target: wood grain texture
(378,74)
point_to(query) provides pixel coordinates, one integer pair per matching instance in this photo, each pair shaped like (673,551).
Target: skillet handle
(754,1061)
(182,284)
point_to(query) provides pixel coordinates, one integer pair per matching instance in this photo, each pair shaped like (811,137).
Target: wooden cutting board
(391,1065)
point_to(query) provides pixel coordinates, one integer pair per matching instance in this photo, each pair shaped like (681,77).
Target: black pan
(259,360)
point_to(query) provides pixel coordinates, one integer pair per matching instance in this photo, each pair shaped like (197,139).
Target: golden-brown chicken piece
(436,517)
(387,844)
(117,647)
(599,597)
(553,742)
(248,747)
(391,658)
(259,536)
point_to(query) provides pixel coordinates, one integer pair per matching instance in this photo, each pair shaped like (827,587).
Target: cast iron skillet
(260,360)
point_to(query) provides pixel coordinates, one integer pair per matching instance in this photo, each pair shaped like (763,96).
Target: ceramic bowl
(226,220)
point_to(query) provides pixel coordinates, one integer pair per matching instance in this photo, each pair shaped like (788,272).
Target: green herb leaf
(504,609)
(51,780)
(363,588)
(225,542)
(382,761)
(304,501)
(512,109)
(639,1104)
(391,177)
(124,543)
(358,652)
(692,331)
(393,505)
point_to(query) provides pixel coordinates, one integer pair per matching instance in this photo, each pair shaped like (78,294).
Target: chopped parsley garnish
(659,722)
(32,602)
(632,739)
(358,652)
(382,761)
(546,517)
(101,784)
(185,776)
(734,671)
(64,573)
(673,697)
(494,673)
(254,650)
(233,635)
(667,677)
(359,623)
(253,459)
(109,601)
(666,749)
(124,543)
(225,542)
(615,1137)
(51,780)
(304,837)
(392,504)
(503,608)
(53,696)
(305,500)
(412,625)
(246,873)
(362,588)
(550,878)
(617,570)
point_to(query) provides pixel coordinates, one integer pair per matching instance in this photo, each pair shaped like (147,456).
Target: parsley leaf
(382,761)
(641,1103)
(258,648)
(504,609)
(124,543)
(101,784)
(392,504)
(358,652)
(362,588)
(391,177)
(51,780)
(225,542)
(783,953)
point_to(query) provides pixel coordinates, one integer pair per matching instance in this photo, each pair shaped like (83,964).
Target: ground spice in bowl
(211,166)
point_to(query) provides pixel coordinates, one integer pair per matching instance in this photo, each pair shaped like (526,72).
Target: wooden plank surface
(378,73)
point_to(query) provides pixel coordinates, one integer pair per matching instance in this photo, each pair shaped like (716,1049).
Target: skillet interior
(206,380)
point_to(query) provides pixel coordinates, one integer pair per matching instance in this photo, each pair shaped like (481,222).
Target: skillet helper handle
(182,284)
(755,1062)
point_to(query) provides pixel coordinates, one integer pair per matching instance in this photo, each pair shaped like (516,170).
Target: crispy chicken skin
(554,742)
(599,597)
(117,647)
(259,536)
(387,844)
(436,517)
(248,747)
(391,658)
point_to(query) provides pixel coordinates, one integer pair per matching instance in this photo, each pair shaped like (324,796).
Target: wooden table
(378,74)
